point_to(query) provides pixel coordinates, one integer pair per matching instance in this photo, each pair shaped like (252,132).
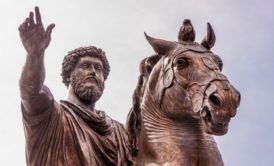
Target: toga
(66,134)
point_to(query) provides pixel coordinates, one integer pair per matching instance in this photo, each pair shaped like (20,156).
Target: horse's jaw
(211,126)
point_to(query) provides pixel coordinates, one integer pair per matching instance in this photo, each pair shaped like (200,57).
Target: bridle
(168,76)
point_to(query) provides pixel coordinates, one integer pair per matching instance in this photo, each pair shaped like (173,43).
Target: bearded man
(72,132)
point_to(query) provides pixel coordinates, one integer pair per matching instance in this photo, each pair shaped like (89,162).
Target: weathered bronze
(71,132)
(186,32)
(181,99)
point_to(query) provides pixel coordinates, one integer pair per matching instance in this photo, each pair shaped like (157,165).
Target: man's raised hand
(33,35)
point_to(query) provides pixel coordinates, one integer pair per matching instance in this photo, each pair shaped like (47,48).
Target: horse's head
(187,82)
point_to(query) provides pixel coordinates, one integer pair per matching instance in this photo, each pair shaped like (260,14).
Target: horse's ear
(162,47)
(209,40)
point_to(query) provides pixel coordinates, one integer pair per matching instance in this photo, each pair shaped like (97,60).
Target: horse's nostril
(214,100)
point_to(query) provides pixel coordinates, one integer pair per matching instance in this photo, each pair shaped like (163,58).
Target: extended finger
(38,16)
(49,30)
(31,21)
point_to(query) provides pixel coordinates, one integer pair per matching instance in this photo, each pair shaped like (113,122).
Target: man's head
(85,69)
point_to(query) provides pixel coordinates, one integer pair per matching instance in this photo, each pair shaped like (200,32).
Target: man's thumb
(49,29)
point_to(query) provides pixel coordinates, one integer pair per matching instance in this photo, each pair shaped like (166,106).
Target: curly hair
(71,59)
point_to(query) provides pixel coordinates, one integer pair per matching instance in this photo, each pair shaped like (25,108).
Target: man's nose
(92,71)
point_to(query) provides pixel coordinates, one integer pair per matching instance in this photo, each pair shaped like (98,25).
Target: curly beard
(87,93)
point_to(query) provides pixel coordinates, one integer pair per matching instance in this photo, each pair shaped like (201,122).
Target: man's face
(87,79)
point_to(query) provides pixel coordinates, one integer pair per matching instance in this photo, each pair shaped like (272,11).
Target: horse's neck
(159,128)
(168,140)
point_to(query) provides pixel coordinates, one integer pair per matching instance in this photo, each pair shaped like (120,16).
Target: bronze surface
(71,132)
(181,99)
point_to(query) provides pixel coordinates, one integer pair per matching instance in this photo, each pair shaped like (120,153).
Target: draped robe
(69,135)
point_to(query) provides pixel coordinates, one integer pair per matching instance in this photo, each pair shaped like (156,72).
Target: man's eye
(98,67)
(182,63)
(84,66)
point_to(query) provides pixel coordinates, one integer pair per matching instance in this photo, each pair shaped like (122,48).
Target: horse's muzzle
(219,106)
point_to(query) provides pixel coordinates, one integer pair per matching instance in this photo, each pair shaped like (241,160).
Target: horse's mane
(133,124)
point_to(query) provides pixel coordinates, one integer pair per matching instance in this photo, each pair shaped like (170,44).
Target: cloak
(69,135)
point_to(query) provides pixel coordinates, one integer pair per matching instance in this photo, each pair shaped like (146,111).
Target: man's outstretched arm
(35,39)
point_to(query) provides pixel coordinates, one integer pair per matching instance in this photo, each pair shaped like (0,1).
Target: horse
(181,100)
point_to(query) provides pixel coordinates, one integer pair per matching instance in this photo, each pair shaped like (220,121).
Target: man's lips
(91,78)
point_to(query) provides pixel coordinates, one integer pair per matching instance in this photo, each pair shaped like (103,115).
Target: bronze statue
(181,99)
(71,132)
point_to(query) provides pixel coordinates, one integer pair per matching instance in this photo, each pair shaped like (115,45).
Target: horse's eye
(182,63)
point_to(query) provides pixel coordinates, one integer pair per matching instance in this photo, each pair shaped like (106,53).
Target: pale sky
(244,32)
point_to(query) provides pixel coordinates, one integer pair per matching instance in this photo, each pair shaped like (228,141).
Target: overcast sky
(244,31)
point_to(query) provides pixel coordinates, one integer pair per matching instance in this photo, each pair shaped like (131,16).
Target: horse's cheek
(176,100)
